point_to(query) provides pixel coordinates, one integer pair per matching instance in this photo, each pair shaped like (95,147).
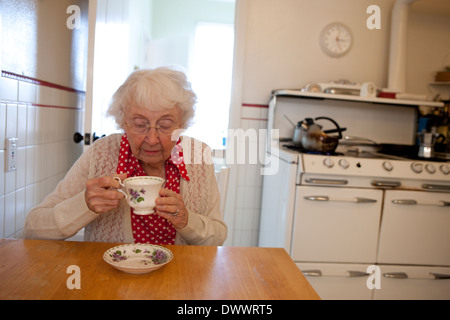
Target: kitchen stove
(340,214)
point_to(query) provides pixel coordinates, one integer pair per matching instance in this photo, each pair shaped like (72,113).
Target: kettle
(310,136)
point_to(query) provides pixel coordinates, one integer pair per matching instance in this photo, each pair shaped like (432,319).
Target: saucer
(138,258)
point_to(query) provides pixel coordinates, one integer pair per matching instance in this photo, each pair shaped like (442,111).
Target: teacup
(141,193)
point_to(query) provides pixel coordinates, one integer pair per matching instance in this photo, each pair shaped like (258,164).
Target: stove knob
(444,169)
(328,163)
(344,163)
(430,168)
(387,165)
(416,167)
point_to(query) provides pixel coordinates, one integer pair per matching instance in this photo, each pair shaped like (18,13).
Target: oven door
(341,281)
(415,228)
(413,283)
(336,224)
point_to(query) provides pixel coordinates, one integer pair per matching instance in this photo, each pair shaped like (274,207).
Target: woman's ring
(175,213)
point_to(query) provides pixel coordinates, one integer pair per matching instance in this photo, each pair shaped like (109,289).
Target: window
(210,72)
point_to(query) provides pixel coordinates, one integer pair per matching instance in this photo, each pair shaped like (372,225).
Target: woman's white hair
(154,89)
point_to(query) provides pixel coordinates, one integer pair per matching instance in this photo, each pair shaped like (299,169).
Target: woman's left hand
(170,205)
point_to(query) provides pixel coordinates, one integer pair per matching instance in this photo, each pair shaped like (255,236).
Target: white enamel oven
(362,228)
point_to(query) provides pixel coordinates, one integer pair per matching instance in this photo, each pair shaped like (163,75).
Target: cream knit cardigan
(64,212)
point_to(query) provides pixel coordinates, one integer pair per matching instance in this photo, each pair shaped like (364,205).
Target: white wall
(41,102)
(283,51)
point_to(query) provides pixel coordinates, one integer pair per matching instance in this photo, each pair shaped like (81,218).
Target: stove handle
(403,275)
(351,274)
(386,184)
(326,198)
(312,273)
(327,181)
(396,275)
(410,202)
(435,187)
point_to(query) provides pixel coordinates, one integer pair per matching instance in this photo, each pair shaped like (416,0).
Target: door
(336,224)
(415,228)
(413,283)
(112,56)
(336,281)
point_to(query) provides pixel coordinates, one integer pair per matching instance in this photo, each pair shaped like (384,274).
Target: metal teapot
(310,136)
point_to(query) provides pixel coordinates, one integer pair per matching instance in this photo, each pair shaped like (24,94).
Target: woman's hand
(100,194)
(170,205)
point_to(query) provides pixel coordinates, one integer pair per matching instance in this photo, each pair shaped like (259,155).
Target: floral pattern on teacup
(135,195)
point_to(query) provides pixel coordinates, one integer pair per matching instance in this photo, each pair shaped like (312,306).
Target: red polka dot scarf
(153,228)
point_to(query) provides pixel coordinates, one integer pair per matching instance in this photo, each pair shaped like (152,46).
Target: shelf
(314,95)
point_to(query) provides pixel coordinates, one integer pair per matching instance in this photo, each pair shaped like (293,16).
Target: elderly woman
(151,107)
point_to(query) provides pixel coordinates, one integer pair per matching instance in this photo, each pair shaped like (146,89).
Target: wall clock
(336,39)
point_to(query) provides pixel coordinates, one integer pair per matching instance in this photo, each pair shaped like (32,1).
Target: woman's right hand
(100,195)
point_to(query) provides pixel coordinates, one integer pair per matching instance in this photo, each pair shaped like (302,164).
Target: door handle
(410,202)
(440,276)
(435,187)
(326,198)
(327,181)
(77,137)
(403,275)
(354,274)
(95,138)
(386,184)
(396,275)
(312,273)
(405,202)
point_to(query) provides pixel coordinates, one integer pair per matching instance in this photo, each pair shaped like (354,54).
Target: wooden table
(37,269)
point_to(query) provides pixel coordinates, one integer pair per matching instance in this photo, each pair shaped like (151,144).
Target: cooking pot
(310,136)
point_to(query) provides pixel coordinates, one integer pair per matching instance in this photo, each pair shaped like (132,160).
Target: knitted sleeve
(201,196)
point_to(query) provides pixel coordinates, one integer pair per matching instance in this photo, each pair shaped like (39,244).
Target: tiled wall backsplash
(44,118)
(247,206)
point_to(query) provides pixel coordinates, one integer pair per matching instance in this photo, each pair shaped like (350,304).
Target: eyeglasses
(141,126)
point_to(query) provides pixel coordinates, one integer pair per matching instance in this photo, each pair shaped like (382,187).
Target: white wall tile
(47,96)
(10,214)
(20,210)
(2,125)
(29,165)
(2,217)
(27,92)
(10,182)
(29,198)
(11,120)
(31,125)
(8,89)
(21,125)
(2,174)
(21,167)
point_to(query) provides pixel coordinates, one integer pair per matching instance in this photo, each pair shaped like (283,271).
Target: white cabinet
(338,281)
(336,224)
(415,228)
(413,283)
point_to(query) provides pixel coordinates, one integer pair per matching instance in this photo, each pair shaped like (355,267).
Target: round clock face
(336,40)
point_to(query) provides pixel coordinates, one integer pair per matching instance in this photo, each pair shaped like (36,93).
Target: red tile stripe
(251,105)
(15,76)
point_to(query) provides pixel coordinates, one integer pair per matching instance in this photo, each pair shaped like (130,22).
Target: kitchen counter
(38,269)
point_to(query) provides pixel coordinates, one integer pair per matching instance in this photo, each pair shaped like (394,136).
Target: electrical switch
(11,154)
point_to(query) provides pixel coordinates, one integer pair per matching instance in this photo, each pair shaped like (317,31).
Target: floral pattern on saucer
(138,258)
